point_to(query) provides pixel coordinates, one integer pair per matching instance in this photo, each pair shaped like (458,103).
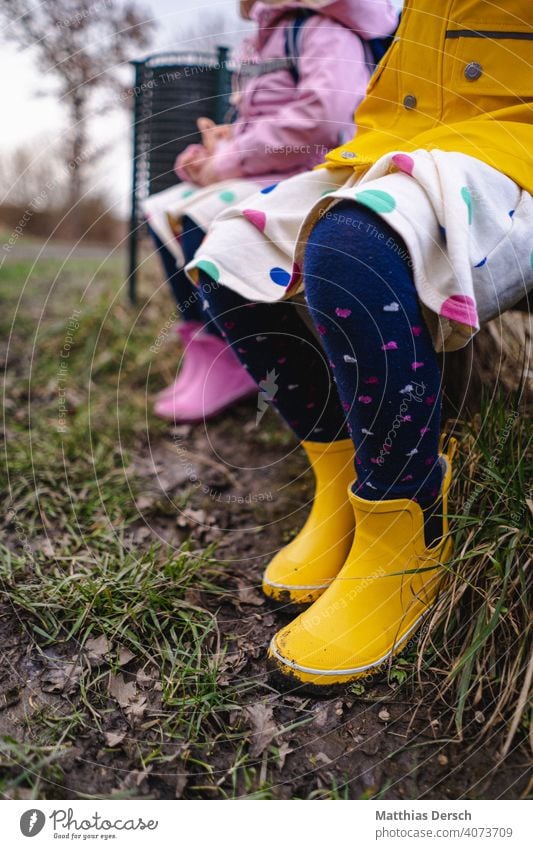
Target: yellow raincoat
(458,77)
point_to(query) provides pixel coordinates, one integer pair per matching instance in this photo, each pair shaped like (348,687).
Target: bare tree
(82,45)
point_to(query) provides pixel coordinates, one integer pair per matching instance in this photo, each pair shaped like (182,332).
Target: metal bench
(171,91)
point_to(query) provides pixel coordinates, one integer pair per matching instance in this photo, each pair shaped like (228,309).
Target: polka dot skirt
(467,228)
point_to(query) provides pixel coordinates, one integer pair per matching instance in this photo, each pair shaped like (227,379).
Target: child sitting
(410,237)
(301,76)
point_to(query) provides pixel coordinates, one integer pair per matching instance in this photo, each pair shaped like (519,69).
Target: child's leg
(183,291)
(210,378)
(286,360)
(282,355)
(362,298)
(360,289)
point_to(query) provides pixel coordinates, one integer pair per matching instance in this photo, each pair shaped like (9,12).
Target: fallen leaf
(135,778)
(124,692)
(124,656)
(283,750)
(97,648)
(248,595)
(61,678)
(145,680)
(114,738)
(261,720)
(135,712)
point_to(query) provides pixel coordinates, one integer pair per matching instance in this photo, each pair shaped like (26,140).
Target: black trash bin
(172,90)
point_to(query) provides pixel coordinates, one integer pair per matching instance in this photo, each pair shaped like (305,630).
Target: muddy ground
(381,743)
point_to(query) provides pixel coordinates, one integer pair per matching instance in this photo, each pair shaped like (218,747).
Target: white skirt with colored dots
(165,210)
(468,230)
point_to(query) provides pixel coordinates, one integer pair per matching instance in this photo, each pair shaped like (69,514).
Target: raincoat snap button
(409,101)
(473,71)
(348,154)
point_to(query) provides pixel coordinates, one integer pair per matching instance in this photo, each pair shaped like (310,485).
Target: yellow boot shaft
(301,571)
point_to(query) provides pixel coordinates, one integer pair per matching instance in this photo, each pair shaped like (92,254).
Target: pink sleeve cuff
(227,161)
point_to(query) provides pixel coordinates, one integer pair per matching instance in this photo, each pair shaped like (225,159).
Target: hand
(213,133)
(205,172)
(187,162)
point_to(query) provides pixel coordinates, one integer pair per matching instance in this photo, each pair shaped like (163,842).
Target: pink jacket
(284,127)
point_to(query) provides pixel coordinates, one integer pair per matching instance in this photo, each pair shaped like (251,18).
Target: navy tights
(183,291)
(374,370)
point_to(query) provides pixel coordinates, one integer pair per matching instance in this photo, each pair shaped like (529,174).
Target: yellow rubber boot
(301,571)
(377,602)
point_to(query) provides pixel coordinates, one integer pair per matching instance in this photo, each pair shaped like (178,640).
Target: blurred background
(66,87)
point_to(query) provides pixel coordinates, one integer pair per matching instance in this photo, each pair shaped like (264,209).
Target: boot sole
(281,597)
(283,677)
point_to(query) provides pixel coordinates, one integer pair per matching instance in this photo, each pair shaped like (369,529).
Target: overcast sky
(30,119)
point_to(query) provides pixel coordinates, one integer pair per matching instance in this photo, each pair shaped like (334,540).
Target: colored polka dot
(404,163)
(481,264)
(210,268)
(467,197)
(256,217)
(268,189)
(511,213)
(280,277)
(228,197)
(460,308)
(376,200)
(187,193)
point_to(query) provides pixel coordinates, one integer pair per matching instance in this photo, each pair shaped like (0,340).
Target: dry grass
(479,635)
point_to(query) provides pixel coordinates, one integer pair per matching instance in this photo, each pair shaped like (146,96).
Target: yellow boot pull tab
(451,446)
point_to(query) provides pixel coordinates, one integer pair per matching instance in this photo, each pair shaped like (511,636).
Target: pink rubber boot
(216,380)
(185,330)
